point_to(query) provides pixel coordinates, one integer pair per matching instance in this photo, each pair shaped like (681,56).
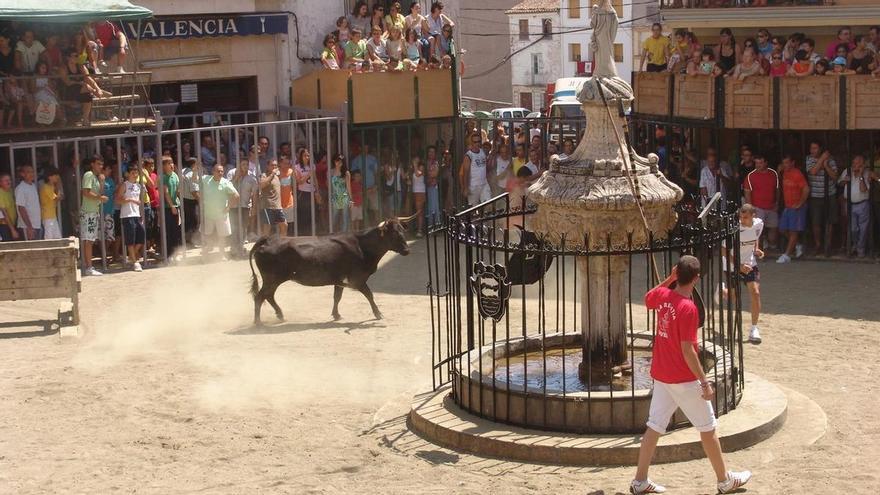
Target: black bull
(340,260)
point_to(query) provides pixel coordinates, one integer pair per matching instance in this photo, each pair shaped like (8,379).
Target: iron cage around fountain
(512,315)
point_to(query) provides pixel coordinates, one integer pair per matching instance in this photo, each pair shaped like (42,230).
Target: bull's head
(393,233)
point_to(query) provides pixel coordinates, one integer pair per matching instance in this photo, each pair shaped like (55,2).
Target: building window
(574,9)
(547,28)
(536,63)
(574,52)
(618,52)
(524,29)
(618,7)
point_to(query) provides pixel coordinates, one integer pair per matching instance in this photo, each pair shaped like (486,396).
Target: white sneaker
(120,70)
(754,335)
(783,258)
(734,480)
(798,250)
(647,486)
(138,267)
(91,272)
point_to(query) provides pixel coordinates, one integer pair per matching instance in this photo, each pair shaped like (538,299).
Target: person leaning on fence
(171,184)
(108,211)
(189,192)
(246,186)
(219,197)
(795,192)
(822,173)
(472,174)
(340,194)
(8,213)
(856,188)
(90,212)
(270,199)
(130,198)
(50,196)
(27,200)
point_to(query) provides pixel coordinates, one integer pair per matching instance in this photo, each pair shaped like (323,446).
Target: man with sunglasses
(472,176)
(679,379)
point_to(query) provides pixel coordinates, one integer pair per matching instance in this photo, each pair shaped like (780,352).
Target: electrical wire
(520,50)
(551,33)
(496,9)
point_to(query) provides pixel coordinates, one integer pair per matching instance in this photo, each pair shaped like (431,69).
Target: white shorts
(668,397)
(769,217)
(479,194)
(218,226)
(51,230)
(88,226)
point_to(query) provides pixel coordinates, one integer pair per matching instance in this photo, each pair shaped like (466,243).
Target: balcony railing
(760,102)
(35,104)
(716,4)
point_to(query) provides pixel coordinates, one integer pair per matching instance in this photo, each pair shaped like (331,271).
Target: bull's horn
(407,219)
(382,224)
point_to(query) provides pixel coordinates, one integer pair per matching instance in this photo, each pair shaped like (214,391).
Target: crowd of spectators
(373,40)
(48,74)
(795,55)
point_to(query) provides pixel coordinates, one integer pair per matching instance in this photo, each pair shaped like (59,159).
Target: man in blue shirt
(368,165)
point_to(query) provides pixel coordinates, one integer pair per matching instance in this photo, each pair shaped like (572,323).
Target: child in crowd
(342,32)
(418,192)
(802,65)
(328,56)
(129,197)
(839,67)
(413,58)
(50,195)
(340,194)
(778,67)
(357,201)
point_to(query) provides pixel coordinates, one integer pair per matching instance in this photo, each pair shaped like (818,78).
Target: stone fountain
(606,195)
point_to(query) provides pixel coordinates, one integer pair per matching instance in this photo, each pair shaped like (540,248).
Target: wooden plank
(652,93)
(749,103)
(70,242)
(801,99)
(370,106)
(59,281)
(13,273)
(36,257)
(694,96)
(435,94)
(862,102)
(34,293)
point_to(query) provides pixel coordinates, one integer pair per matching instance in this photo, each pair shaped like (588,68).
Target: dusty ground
(171,391)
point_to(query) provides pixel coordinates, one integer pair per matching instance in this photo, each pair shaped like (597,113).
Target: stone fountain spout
(590,198)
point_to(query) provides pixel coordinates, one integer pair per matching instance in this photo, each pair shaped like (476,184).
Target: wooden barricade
(652,93)
(41,270)
(809,103)
(748,104)
(694,97)
(862,102)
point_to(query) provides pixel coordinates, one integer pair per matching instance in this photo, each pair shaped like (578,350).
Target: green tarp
(70,11)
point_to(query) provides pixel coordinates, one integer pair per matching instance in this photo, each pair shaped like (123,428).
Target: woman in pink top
(307,195)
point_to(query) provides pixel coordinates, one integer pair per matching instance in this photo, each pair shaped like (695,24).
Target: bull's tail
(255,285)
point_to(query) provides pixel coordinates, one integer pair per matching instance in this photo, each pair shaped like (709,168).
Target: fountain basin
(542,402)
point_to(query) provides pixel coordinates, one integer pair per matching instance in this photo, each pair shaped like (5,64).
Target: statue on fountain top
(603,21)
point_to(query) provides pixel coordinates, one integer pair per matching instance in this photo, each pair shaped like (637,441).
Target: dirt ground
(170,390)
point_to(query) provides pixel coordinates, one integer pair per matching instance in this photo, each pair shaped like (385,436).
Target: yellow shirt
(7,201)
(397,20)
(517,164)
(48,201)
(656,48)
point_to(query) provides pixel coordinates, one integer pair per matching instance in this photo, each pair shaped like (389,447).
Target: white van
(504,114)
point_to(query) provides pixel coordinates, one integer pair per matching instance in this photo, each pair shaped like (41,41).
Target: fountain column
(588,197)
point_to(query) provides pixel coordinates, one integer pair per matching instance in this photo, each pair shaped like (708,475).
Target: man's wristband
(705,384)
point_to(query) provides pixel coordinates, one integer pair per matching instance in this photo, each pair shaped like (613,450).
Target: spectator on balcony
(704,64)
(727,52)
(809,45)
(764,45)
(749,66)
(328,55)
(839,68)
(27,52)
(778,43)
(418,23)
(111,43)
(7,56)
(86,52)
(656,50)
(79,86)
(679,51)
(396,48)
(822,67)
(856,189)
(795,192)
(378,19)
(12,101)
(778,67)
(751,44)
(802,65)
(377,50)
(822,173)
(8,210)
(860,58)
(413,46)
(791,47)
(50,196)
(874,39)
(761,189)
(53,55)
(395,18)
(444,47)
(356,54)
(343,31)
(844,38)
(436,21)
(360,17)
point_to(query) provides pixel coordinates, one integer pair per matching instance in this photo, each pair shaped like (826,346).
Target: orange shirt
(793,184)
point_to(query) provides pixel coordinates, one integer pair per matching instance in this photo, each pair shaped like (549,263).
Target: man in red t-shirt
(112,42)
(761,188)
(679,379)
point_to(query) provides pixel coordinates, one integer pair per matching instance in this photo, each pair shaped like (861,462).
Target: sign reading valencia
(162,28)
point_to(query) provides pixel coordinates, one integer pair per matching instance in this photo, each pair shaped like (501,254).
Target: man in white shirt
(27,52)
(750,229)
(27,200)
(472,173)
(714,176)
(501,162)
(856,189)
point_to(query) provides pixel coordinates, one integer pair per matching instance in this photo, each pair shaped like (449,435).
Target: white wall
(624,37)
(523,77)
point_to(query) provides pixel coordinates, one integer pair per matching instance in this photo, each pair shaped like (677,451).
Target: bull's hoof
(336,317)
(279,316)
(378,315)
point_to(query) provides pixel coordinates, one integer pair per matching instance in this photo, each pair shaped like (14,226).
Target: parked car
(508,113)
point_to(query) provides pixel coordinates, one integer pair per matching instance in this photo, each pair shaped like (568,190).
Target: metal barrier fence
(224,144)
(514,317)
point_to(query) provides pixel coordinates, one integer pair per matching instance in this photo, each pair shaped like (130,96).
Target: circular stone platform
(434,415)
